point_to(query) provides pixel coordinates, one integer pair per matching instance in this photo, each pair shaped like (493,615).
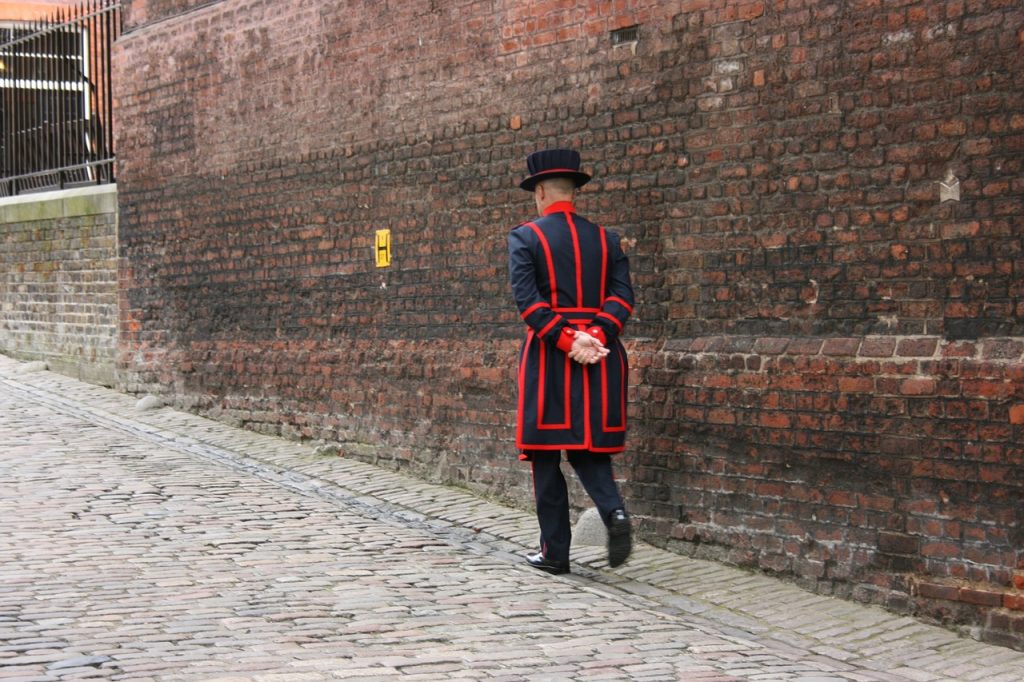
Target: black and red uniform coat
(569,274)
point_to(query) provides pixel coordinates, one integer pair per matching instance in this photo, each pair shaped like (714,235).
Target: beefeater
(570,280)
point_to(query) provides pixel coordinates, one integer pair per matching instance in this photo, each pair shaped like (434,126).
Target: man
(570,280)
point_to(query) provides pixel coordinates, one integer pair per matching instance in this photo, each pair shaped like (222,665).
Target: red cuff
(565,339)
(598,334)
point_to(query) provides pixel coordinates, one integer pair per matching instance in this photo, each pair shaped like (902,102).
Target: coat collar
(560,207)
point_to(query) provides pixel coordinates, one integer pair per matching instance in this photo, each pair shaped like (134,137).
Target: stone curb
(767,609)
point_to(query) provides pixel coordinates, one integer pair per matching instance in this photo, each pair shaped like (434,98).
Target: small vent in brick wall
(629,34)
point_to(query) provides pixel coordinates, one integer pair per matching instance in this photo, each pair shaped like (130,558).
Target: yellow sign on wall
(383,248)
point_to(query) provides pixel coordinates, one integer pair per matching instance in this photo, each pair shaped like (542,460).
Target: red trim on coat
(622,303)
(576,254)
(569,446)
(567,423)
(560,207)
(575,171)
(541,375)
(566,339)
(608,450)
(522,387)
(604,397)
(551,263)
(604,261)
(588,436)
(612,318)
(533,308)
(549,325)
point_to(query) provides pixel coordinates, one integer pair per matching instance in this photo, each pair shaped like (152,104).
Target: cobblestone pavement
(158,545)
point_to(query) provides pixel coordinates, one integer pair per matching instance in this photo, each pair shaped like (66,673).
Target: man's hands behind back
(587,350)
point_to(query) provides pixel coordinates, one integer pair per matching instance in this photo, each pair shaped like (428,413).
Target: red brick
(721,416)
(898,543)
(917,387)
(841,347)
(876,502)
(841,498)
(877,347)
(960,230)
(856,385)
(988,388)
(804,346)
(937,591)
(917,347)
(981,596)
(1002,349)
(940,550)
(775,420)
(751,10)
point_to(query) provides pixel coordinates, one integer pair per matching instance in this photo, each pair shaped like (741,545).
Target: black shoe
(620,542)
(538,560)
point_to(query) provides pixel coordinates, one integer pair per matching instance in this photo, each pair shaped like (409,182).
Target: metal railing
(57,102)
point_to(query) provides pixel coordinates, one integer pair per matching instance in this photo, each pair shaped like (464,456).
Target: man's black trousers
(594,469)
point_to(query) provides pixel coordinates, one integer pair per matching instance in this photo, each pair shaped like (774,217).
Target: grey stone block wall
(58,280)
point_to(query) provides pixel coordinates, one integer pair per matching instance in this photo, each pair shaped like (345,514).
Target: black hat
(554,163)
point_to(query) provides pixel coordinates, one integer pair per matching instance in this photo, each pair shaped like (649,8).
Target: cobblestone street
(159,545)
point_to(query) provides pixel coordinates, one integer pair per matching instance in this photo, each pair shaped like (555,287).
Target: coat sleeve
(618,302)
(522,271)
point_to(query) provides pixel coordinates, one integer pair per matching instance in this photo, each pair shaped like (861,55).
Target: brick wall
(58,280)
(827,355)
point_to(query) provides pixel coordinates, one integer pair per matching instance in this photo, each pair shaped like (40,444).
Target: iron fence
(55,88)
